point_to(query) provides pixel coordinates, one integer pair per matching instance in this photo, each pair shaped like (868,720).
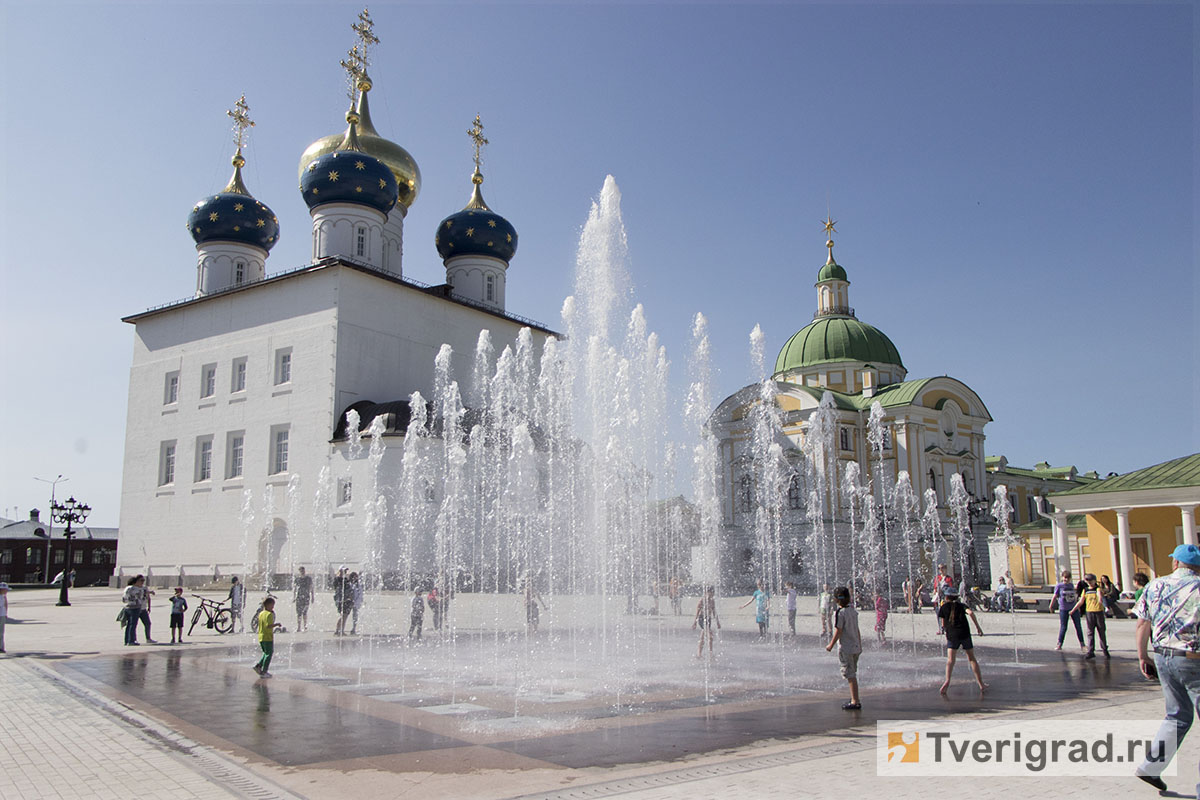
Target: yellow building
(1033,562)
(1135,520)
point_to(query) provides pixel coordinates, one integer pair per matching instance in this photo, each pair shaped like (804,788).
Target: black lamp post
(68,513)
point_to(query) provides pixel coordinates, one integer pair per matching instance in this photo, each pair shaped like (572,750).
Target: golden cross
(355,67)
(240,113)
(476,134)
(829,229)
(365,28)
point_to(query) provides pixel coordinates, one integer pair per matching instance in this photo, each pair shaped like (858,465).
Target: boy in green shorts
(266,636)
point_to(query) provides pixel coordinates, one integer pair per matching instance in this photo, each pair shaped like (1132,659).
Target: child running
(706,617)
(882,606)
(955,618)
(849,642)
(266,637)
(178,606)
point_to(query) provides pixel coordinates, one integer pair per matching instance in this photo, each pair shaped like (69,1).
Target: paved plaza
(87,717)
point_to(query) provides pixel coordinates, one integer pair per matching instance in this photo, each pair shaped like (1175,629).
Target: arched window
(360,247)
(795,493)
(490,288)
(825,304)
(239,273)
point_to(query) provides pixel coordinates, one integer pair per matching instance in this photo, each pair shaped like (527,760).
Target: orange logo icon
(903,748)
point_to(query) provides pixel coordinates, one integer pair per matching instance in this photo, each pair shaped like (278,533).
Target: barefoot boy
(849,642)
(266,636)
(954,616)
(178,606)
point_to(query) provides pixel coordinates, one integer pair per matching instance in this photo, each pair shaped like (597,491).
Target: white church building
(241,391)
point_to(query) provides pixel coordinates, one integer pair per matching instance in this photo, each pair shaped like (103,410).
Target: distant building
(932,429)
(1033,561)
(1135,520)
(26,545)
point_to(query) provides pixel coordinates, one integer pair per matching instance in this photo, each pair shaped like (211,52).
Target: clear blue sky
(1014,188)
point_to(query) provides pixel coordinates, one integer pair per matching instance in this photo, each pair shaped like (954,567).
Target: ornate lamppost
(68,513)
(50,528)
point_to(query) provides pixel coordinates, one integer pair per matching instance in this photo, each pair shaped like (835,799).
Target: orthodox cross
(476,134)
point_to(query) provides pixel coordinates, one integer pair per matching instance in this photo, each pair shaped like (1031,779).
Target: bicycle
(257,611)
(216,615)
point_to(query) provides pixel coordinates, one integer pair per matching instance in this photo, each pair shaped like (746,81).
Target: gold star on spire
(829,229)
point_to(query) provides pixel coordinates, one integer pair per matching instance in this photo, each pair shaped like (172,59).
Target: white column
(1189,524)
(1062,556)
(1124,548)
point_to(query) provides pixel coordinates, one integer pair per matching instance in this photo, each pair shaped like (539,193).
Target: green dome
(837,339)
(832,272)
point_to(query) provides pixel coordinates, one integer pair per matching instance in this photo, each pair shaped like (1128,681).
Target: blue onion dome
(233,215)
(402,165)
(348,175)
(476,230)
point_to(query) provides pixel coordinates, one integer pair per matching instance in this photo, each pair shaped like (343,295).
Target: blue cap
(1187,554)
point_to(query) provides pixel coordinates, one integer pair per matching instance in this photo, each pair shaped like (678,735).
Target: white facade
(478,278)
(242,391)
(221,265)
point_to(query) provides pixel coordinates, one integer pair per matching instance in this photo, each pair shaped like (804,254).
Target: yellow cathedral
(933,428)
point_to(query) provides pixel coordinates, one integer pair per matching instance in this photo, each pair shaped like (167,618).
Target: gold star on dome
(358,188)
(437,240)
(470,232)
(238,206)
(195,209)
(312,167)
(360,165)
(489,244)
(260,223)
(333,176)
(316,190)
(237,228)
(382,183)
(212,217)
(447,224)
(508,237)
(491,223)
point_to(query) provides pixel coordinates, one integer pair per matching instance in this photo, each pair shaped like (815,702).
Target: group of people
(135,608)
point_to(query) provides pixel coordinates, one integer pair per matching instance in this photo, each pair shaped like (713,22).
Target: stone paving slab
(58,741)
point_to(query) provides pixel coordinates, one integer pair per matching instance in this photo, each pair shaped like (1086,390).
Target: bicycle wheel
(195,620)
(254,624)
(224,621)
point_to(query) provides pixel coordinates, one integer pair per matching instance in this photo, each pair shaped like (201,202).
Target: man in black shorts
(955,618)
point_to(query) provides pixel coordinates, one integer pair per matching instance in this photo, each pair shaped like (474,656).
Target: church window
(166,464)
(279,455)
(208,380)
(283,366)
(360,247)
(238,383)
(239,273)
(795,494)
(491,288)
(844,436)
(204,452)
(746,494)
(236,448)
(171,390)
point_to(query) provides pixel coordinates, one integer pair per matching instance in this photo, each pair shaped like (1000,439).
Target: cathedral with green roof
(933,428)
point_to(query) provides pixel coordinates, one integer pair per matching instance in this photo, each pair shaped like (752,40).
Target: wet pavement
(301,719)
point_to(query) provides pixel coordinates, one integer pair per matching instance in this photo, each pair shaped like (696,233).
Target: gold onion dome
(402,165)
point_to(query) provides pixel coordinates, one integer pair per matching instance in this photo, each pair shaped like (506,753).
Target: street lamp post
(68,513)
(53,485)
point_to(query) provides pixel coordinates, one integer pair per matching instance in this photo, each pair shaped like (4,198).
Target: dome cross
(240,114)
(476,134)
